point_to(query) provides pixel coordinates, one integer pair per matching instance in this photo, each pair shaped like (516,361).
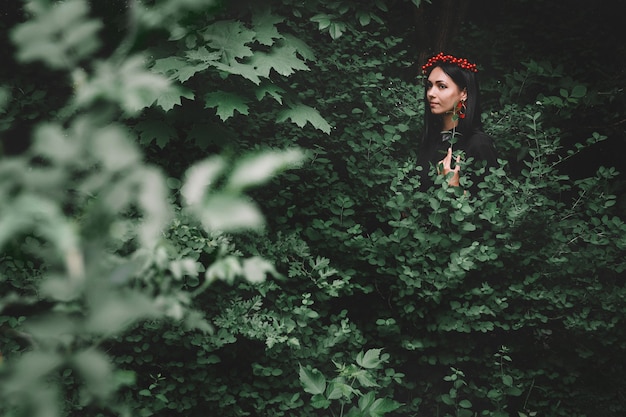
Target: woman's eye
(441,86)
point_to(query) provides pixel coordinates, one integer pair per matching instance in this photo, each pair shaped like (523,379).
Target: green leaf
(260,168)
(168,66)
(29,212)
(131,85)
(447,399)
(246,71)
(312,380)
(366,401)
(59,36)
(199,178)
(172,97)
(32,367)
(206,133)
(272,90)
(319,401)
(514,391)
(364,18)
(124,378)
(256,268)
(229,213)
(369,360)
(178,69)
(507,380)
(494,394)
(465,404)
(97,371)
(264,25)
(300,46)
(579,91)
(323,20)
(365,379)
(226,103)
(114,312)
(336,29)
(60,288)
(202,54)
(52,142)
(381,406)
(338,389)
(113,147)
(5,98)
(300,114)
(230,38)
(225,269)
(155,130)
(468,227)
(281,59)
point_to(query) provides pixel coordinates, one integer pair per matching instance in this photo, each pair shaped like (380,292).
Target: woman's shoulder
(481,146)
(479,137)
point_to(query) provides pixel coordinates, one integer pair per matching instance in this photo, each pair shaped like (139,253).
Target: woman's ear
(464,94)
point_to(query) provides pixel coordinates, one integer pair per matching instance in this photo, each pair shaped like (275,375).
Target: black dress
(478,146)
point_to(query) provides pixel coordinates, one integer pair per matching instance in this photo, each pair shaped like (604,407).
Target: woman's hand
(444,168)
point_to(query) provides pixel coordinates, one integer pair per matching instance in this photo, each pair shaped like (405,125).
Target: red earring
(461,109)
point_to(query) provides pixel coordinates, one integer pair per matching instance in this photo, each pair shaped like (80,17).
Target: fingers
(445,165)
(447,159)
(457,168)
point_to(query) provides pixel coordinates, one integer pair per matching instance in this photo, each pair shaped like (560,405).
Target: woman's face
(442,93)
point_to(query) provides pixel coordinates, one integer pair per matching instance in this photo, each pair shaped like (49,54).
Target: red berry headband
(441,58)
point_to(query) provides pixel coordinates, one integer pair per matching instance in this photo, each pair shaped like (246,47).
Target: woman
(452,117)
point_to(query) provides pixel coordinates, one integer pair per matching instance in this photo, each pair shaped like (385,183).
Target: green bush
(127,225)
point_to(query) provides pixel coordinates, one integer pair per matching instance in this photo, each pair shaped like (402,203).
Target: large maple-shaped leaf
(178,69)
(300,46)
(203,55)
(247,71)
(300,114)
(226,103)
(230,38)
(172,97)
(265,27)
(155,130)
(204,134)
(281,59)
(271,90)
(168,65)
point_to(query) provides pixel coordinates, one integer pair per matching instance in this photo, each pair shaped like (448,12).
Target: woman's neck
(448,123)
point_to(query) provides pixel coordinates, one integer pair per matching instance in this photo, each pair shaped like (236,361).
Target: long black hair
(464,79)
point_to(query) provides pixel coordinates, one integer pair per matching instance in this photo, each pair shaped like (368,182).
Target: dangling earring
(461,109)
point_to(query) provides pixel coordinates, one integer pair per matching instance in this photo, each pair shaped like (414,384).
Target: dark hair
(464,79)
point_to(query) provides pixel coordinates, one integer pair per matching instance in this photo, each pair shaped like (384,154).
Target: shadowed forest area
(216,207)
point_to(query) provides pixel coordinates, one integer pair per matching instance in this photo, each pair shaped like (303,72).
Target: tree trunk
(436,26)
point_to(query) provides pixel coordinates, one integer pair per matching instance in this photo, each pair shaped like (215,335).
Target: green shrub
(505,300)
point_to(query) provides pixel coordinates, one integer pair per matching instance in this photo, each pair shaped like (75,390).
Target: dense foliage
(153,263)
